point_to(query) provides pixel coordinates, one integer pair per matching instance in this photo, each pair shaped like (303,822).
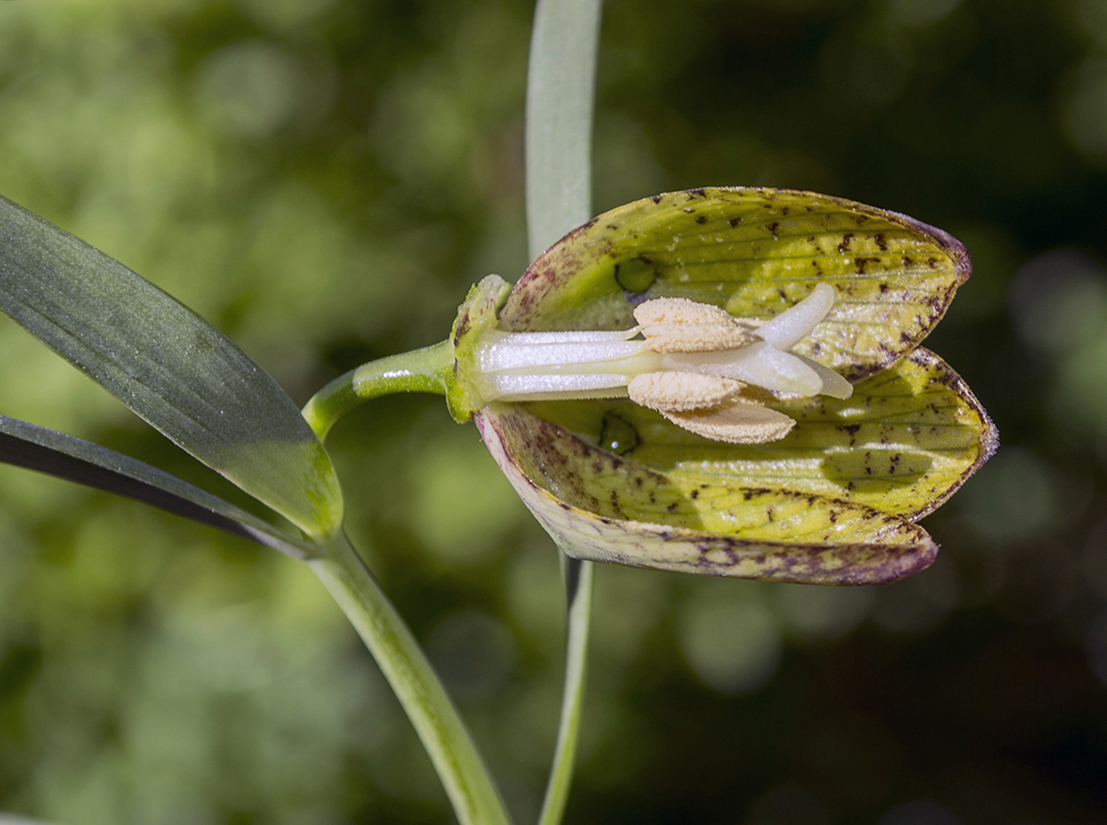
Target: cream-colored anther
(681,391)
(737,422)
(696,337)
(679,311)
(681,325)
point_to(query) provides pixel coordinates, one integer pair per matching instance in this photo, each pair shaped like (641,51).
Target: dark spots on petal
(461,327)
(695,494)
(785,210)
(701,219)
(773,227)
(881,241)
(883,287)
(672,508)
(843,245)
(698,192)
(733,222)
(861,262)
(931,263)
(656,199)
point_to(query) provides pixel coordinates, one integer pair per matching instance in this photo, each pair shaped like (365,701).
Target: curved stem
(422,370)
(578,592)
(473,794)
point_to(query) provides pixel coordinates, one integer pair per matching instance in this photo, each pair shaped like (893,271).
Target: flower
(635,450)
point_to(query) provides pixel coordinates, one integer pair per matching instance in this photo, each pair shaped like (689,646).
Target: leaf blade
(166,363)
(561,87)
(64,456)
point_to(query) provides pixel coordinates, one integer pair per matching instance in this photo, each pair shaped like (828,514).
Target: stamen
(692,364)
(681,391)
(680,325)
(736,422)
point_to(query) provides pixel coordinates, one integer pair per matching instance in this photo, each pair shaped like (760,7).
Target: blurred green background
(324,179)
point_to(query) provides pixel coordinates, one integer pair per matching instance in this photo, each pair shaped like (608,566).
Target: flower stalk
(469,785)
(423,370)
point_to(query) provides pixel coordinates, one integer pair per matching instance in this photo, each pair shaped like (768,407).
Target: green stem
(422,370)
(561,88)
(468,783)
(578,590)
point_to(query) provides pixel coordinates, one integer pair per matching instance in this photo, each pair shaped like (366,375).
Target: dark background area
(324,179)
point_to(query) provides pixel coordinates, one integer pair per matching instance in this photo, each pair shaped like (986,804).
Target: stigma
(694,363)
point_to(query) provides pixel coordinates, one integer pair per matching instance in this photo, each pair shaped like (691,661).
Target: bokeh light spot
(1013,496)
(730,638)
(248,89)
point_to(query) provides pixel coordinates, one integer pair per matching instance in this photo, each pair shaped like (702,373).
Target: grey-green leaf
(168,365)
(47,451)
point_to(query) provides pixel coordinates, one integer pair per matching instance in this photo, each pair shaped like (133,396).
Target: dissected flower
(689,361)
(664,386)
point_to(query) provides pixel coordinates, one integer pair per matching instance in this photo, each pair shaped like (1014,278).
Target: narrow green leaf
(47,451)
(754,252)
(168,365)
(560,90)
